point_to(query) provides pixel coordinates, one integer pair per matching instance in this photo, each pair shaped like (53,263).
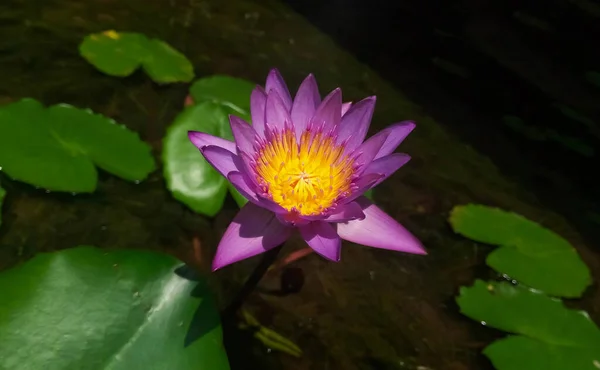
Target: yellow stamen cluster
(309,175)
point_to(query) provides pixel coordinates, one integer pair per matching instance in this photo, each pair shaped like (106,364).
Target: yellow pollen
(309,175)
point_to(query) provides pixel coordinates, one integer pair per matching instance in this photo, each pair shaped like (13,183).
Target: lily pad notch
(136,312)
(190,178)
(546,335)
(58,148)
(527,252)
(121,53)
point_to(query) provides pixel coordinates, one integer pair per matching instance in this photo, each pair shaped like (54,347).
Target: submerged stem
(259,271)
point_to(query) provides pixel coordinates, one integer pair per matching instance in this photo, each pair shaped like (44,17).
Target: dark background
(473,63)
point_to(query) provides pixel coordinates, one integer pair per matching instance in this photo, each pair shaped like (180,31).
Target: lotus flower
(304,165)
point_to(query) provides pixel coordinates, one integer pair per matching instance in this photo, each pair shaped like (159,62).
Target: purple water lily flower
(303,164)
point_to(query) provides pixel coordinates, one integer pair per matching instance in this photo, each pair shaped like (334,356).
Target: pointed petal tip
(193,135)
(411,124)
(274,71)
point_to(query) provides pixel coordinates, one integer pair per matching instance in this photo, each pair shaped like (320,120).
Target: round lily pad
(116,54)
(166,65)
(230,91)
(56,148)
(87,308)
(528,252)
(550,336)
(190,178)
(121,53)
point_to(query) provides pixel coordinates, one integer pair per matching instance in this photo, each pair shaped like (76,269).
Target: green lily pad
(551,337)
(230,91)
(166,65)
(121,53)
(87,308)
(190,178)
(56,148)
(2,195)
(528,252)
(116,54)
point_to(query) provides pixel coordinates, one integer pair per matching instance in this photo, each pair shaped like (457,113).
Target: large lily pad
(551,337)
(56,148)
(87,308)
(528,252)
(190,178)
(230,91)
(121,53)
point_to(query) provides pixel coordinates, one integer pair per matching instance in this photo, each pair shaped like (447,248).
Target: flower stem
(268,258)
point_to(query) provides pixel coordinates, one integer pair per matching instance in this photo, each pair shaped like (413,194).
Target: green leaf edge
(456,212)
(141,62)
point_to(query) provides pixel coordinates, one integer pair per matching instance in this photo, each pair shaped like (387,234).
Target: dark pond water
(471,63)
(375,309)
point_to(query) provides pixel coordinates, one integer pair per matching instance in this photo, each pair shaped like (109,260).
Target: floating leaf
(2,195)
(191,179)
(166,65)
(369,194)
(56,148)
(116,54)
(552,337)
(121,53)
(87,308)
(230,91)
(529,253)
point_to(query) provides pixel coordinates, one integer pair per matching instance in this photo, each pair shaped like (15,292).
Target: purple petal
(244,134)
(277,83)
(355,124)
(386,166)
(276,114)
(221,159)
(379,230)
(254,230)
(329,112)
(363,184)
(323,239)
(347,212)
(258,103)
(200,139)
(245,187)
(366,152)
(345,107)
(305,104)
(396,133)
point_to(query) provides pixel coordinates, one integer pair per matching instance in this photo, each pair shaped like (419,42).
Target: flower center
(307,176)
